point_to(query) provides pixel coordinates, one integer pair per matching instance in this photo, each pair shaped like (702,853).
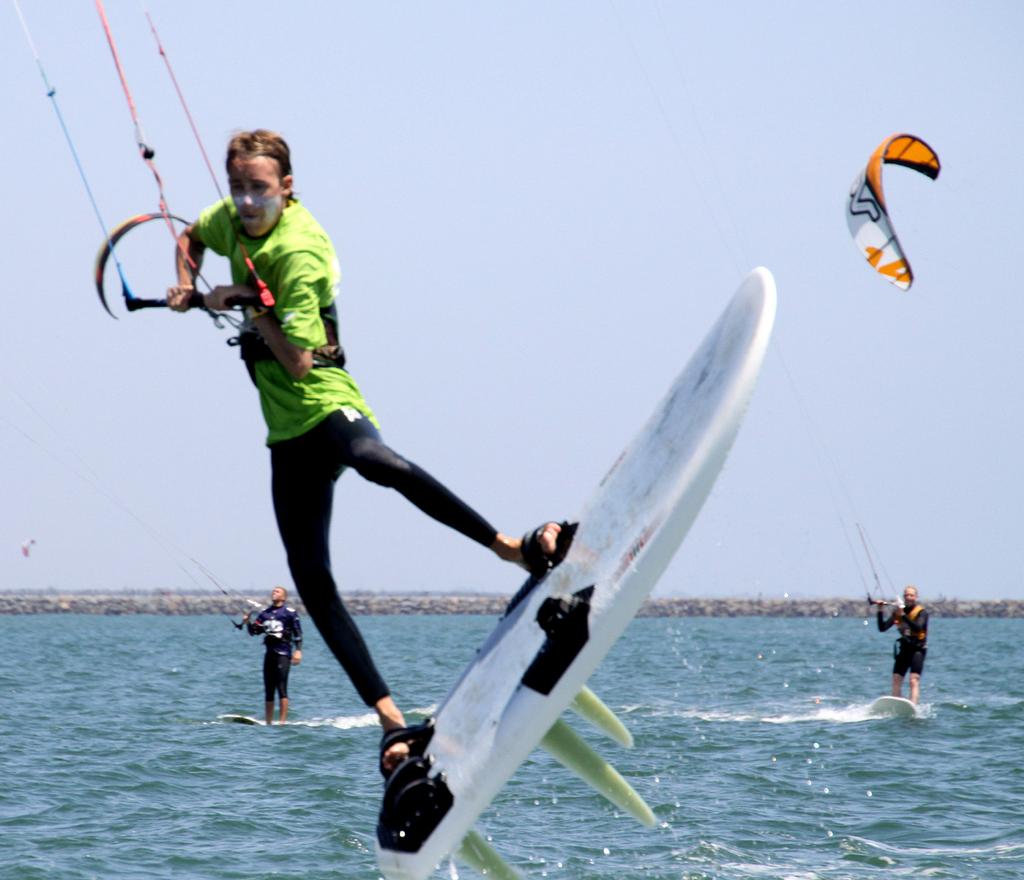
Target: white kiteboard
(559,627)
(897,707)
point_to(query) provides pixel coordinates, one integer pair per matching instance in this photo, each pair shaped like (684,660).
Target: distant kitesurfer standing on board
(282,632)
(912,622)
(318,421)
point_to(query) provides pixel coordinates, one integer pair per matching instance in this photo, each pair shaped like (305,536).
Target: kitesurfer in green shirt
(318,422)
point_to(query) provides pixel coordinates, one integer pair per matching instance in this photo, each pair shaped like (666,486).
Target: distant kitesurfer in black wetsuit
(912,621)
(281,630)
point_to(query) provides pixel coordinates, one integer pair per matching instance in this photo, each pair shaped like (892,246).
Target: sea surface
(753,746)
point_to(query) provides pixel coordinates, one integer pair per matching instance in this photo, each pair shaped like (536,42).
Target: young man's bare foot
(511,549)
(391,718)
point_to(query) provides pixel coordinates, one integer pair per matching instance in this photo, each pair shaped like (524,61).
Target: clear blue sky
(540,208)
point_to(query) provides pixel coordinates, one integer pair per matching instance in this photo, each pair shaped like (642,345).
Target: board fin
(478,853)
(588,705)
(568,748)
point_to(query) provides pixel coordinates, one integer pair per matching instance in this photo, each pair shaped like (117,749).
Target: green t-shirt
(297,261)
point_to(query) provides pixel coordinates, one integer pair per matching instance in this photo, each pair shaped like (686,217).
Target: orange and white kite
(866,212)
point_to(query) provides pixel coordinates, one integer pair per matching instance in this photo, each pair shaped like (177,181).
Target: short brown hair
(250,144)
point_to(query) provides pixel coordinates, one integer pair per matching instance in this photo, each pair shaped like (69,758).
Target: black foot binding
(416,737)
(413,805)
(537,562)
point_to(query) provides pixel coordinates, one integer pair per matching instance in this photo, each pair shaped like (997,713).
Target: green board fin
(478,853)
(588,705)
(568,748)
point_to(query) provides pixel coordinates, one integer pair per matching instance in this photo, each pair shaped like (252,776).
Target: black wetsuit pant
(304,472)
(908,656)
(275,675)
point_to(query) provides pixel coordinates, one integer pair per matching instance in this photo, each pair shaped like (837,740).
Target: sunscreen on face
(269,207)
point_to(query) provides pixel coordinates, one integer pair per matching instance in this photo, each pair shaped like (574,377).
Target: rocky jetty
(483,604)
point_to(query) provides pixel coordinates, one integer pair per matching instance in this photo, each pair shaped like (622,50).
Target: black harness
(253,348)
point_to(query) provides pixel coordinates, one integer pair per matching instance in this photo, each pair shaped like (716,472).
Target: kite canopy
(866,212)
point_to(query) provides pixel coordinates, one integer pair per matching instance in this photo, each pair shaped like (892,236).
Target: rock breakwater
(167,603)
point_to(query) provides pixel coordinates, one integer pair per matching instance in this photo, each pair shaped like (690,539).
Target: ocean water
(753,746)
